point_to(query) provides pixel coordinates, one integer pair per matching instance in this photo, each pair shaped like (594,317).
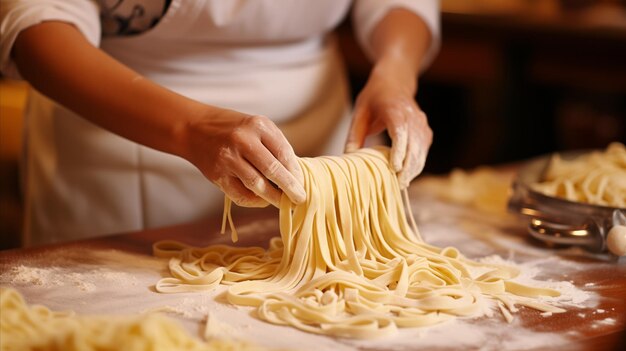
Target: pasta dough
(24,327)
(597,178)
(347,262)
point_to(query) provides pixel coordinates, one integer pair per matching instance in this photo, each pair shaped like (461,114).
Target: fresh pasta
(597,178)
(25,328)
(482,188)
(347,262)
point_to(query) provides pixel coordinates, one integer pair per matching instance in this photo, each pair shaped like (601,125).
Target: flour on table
(216,329)
(169,309)
(56,276)
(603,322)
(197,307)
(33,275)
(83,285)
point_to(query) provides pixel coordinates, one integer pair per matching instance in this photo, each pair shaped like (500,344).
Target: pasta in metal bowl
(597,178)
(575,198)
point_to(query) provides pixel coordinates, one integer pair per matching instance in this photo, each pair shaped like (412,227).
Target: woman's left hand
(387,102)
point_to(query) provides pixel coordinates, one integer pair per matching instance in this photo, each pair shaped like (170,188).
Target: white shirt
(275,58)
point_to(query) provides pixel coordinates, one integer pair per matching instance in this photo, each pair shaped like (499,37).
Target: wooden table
(116,274)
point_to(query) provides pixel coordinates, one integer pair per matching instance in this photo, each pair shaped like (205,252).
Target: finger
(274,155)
(358,131)
(413,165)
(265,162)
(236,191)
(398,132)
(406,174)
(256,182)
(278,145)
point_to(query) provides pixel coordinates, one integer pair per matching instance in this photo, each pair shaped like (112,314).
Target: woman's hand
(398,43)
(387,102)
(246,156)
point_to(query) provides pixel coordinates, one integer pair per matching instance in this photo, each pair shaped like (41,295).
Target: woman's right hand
(246,156)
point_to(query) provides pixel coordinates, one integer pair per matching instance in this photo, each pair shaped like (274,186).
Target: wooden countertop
(598,325)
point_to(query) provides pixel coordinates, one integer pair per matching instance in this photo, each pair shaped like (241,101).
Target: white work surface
(117,274)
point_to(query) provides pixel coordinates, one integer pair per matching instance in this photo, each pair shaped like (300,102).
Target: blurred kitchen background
(514,79)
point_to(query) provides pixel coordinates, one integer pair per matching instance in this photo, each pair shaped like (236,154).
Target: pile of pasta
(347,262)
(24,327)
(482,188)
(597,178)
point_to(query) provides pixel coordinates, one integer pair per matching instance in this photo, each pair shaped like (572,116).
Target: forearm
(246,156)
(59,62)
(399,43)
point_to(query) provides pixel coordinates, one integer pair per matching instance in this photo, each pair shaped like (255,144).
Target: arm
(399,43)
(242,154)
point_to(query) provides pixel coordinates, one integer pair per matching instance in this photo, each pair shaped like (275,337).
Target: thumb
(358,131)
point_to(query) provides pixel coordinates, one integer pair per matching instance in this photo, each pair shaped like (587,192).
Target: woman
(139,102)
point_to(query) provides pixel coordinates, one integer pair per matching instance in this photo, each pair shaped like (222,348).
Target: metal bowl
(557,220)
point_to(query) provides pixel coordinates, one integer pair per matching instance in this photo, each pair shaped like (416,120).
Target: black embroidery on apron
(129,17)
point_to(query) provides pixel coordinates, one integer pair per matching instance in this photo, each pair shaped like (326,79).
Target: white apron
(82,180)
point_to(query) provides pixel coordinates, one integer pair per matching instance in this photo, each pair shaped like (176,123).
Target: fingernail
(403,182)
(296,194)
(351,147)
(397,164)
(301,195)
